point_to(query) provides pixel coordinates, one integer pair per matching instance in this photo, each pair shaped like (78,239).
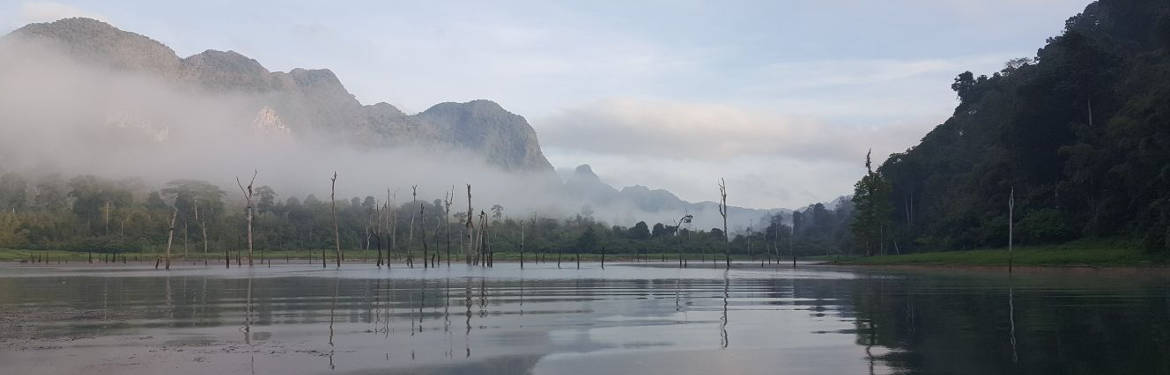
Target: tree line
(95,214)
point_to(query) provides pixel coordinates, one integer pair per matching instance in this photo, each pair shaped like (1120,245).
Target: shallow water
(627,318)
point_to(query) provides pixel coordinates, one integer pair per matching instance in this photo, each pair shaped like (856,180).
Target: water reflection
(650,319)
(725,340)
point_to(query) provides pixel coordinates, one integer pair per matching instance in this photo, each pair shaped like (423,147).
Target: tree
(11,234)
(639,231)
(497,212)
(267,199)
(13,192)
(872,204)
(660,231)
(586,242)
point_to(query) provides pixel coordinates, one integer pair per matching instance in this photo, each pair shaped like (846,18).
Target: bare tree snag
(723,212)
(333,210)
(248,198)
(423,228)
(685,219)
(392,223)
(170,236)
(203,227)
(479,253)
(447,221)
(410,231)
(469,228)
(521,244)
(378,235)
(107,216)
(1011,212)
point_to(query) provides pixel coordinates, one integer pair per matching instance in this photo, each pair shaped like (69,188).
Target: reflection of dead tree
(248,314)
(726,340)
(332,309)
(1012,319)
(723,212)
(248,198)
(333,210)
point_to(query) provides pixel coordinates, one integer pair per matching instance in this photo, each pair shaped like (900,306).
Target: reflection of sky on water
(627,318)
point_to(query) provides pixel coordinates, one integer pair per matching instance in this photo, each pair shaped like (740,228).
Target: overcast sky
(782,98)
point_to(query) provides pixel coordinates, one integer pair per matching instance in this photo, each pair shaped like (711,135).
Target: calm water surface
(627,318)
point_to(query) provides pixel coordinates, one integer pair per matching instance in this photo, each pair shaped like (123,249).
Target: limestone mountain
(640,202)
(300,101)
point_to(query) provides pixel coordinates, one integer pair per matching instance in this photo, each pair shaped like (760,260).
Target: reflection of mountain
(642,203)
(294,102)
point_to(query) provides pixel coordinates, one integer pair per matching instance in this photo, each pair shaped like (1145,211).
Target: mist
(64,116)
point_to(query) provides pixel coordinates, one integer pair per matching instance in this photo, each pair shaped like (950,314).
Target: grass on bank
(1097,252)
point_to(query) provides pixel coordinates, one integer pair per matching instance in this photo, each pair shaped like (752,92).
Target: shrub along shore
(1094,253)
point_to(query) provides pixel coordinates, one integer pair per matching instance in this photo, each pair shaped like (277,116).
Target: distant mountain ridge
(302,99)
(583,184)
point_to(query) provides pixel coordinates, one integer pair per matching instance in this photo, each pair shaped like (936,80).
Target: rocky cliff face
(305,101)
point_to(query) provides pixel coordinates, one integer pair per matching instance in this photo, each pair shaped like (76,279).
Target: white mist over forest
(65,117)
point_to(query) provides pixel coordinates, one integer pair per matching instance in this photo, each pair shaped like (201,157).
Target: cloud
(48,11)
(713,132)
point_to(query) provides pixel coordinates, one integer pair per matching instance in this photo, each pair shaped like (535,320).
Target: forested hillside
(1080,132)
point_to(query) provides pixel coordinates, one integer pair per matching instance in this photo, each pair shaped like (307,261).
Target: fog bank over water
(69,117)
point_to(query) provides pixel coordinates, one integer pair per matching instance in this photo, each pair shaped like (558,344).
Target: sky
(782,98)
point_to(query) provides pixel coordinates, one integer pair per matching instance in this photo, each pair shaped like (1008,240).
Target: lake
(646,318)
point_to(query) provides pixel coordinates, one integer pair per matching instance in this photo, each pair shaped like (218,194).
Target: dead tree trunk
(1011,213)
(392,223)
(723,213)
(378,232)
(436,257)
(171,236)
(447,221)
(423,228)
(203,227)
(248,198)
(521,244)
(410,231)
(185,232)
(469,227)
(333,210)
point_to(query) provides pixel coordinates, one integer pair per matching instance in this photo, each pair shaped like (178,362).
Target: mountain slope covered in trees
(1081,133)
